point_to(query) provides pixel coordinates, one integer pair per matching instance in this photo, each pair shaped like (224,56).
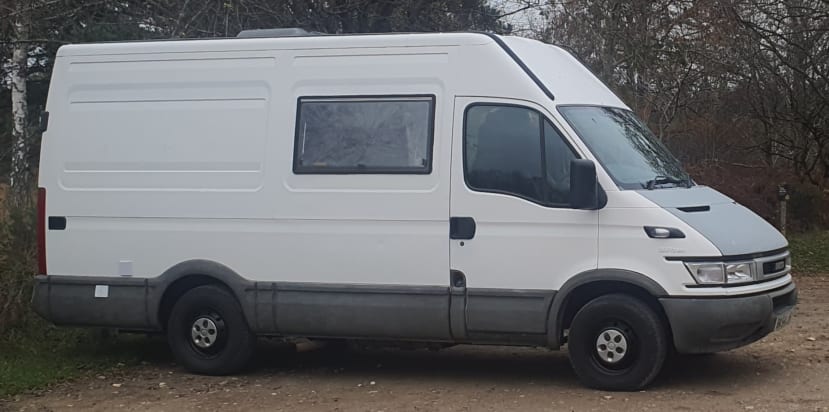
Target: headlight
(722,273)
(738,272)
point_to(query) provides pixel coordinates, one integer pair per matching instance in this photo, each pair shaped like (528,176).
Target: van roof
(256,40)
(556,72)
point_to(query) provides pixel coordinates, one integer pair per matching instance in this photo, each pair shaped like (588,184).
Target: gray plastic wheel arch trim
(554,318)
(199,267)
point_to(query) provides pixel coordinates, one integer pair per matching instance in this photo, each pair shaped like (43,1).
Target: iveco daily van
(441,188)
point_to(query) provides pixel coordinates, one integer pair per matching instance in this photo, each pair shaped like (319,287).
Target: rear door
(514,239)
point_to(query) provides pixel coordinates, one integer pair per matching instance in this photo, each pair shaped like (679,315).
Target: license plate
(782,320)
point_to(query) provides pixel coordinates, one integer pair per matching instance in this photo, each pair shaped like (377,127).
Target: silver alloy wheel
(204,332)
(611,345)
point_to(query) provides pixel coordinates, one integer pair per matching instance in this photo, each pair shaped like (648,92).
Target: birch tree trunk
(19,177)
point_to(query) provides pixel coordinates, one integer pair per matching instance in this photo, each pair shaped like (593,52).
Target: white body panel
(159,159)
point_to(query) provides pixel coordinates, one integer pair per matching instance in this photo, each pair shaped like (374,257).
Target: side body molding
(131,303)
(320,309)
(554,318)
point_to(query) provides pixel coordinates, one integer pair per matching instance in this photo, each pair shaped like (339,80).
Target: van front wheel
(617,342)
(207,332)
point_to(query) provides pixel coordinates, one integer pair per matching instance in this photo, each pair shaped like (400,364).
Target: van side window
(514,150)
(365,135)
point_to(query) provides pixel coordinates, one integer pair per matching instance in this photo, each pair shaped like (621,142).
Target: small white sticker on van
(101,291)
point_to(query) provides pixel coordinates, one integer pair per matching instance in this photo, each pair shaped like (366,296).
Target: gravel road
(787,371)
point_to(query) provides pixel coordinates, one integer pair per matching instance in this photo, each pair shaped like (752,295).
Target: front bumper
(705,325)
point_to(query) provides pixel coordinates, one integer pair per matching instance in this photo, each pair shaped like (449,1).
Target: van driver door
(514,239)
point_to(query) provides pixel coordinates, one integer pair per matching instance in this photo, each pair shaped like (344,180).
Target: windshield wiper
(664,180)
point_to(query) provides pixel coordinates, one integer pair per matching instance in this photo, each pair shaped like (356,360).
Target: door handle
(461,228)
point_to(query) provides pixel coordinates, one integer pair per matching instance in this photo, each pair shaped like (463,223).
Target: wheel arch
(586,286)
(184,276)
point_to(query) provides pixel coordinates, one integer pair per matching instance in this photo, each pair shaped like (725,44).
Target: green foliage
(810,253)
(18,263)
(41,355)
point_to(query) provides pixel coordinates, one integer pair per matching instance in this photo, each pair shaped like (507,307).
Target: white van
(441,188)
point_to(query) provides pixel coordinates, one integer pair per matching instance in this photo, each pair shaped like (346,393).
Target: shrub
(808,207)
(18,264)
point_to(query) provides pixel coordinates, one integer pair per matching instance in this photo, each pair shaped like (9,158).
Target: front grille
(774,266)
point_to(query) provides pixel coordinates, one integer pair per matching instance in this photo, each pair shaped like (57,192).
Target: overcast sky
(522,18)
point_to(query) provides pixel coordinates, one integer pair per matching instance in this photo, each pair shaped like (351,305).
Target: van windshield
(628,151)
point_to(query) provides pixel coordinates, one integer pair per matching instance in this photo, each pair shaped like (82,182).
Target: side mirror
(584,186)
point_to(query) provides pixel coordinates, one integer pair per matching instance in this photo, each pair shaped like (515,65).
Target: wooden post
(783,195)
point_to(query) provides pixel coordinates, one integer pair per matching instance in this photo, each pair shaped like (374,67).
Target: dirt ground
(787,371)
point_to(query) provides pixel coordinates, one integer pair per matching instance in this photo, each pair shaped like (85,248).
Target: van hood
(731,227)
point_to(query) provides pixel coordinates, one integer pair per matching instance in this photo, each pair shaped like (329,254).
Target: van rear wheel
(207,332)
(617,342)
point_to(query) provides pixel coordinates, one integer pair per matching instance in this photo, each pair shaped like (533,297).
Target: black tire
(231,344)
(604,320)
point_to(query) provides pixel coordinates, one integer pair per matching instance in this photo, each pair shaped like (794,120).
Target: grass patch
(810,252)
(44,355)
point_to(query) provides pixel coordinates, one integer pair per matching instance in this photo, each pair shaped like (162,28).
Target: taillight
(41,230)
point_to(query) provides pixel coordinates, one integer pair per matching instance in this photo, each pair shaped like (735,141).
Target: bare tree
(17,66)
(644,49)
(223,18)
(785,49)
